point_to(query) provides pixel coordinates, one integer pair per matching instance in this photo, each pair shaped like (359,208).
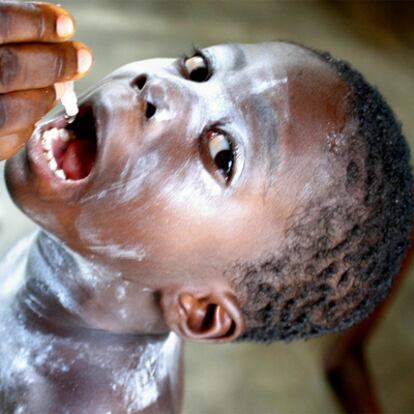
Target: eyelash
(207,159)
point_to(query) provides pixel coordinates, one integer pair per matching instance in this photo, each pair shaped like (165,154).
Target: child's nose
(162,96)
(140,81)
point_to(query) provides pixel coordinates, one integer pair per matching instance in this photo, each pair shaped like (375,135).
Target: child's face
(155,204)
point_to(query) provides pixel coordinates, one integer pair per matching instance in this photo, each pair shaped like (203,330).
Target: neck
(80,327)
(68,290)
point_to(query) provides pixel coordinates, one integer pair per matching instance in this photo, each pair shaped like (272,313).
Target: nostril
(140,81)
(150,110)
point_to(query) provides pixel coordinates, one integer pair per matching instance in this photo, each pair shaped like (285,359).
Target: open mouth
(71,148)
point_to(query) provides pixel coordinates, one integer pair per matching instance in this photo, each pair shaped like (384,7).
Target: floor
(280,378)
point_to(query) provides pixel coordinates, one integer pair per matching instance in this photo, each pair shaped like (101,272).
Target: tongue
(78,159)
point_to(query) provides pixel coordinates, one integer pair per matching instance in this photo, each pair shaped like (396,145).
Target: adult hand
(36,58)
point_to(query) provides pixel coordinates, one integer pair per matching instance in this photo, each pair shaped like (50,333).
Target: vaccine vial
(70,101)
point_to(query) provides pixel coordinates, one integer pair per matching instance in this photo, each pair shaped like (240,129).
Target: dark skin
(36,58)
(156,218)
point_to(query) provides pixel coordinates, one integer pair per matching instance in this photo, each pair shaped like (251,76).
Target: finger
(34,22)
(10,144)
(21,110)
(38,65)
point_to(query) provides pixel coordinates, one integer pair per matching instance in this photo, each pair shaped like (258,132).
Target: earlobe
(212,317)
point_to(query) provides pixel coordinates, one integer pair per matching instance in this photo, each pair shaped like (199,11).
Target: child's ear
(206,317)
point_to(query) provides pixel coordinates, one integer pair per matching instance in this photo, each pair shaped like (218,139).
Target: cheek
(125,224)
(226,231)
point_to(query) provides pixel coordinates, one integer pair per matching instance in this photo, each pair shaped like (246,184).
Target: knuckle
(5,22)
(9,64)
(59,68)
(3,112)
(59,62)
(41,27)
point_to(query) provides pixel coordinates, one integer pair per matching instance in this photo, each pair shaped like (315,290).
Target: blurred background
(378,38)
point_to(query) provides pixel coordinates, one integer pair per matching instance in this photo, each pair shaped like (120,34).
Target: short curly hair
(343,250)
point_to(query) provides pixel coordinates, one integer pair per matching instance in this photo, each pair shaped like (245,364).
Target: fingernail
(59,90)
(64,26)
(84,60)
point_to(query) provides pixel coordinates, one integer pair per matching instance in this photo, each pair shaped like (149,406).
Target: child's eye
(221,152)
(197,68)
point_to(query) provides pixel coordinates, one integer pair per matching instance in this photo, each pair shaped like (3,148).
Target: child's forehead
(288,79)
(276,71)
(270,55)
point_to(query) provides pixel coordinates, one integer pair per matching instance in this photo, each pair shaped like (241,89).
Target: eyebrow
(239,57)
(266,113)
(269,122)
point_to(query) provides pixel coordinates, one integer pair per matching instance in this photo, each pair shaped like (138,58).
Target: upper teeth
(47,139)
